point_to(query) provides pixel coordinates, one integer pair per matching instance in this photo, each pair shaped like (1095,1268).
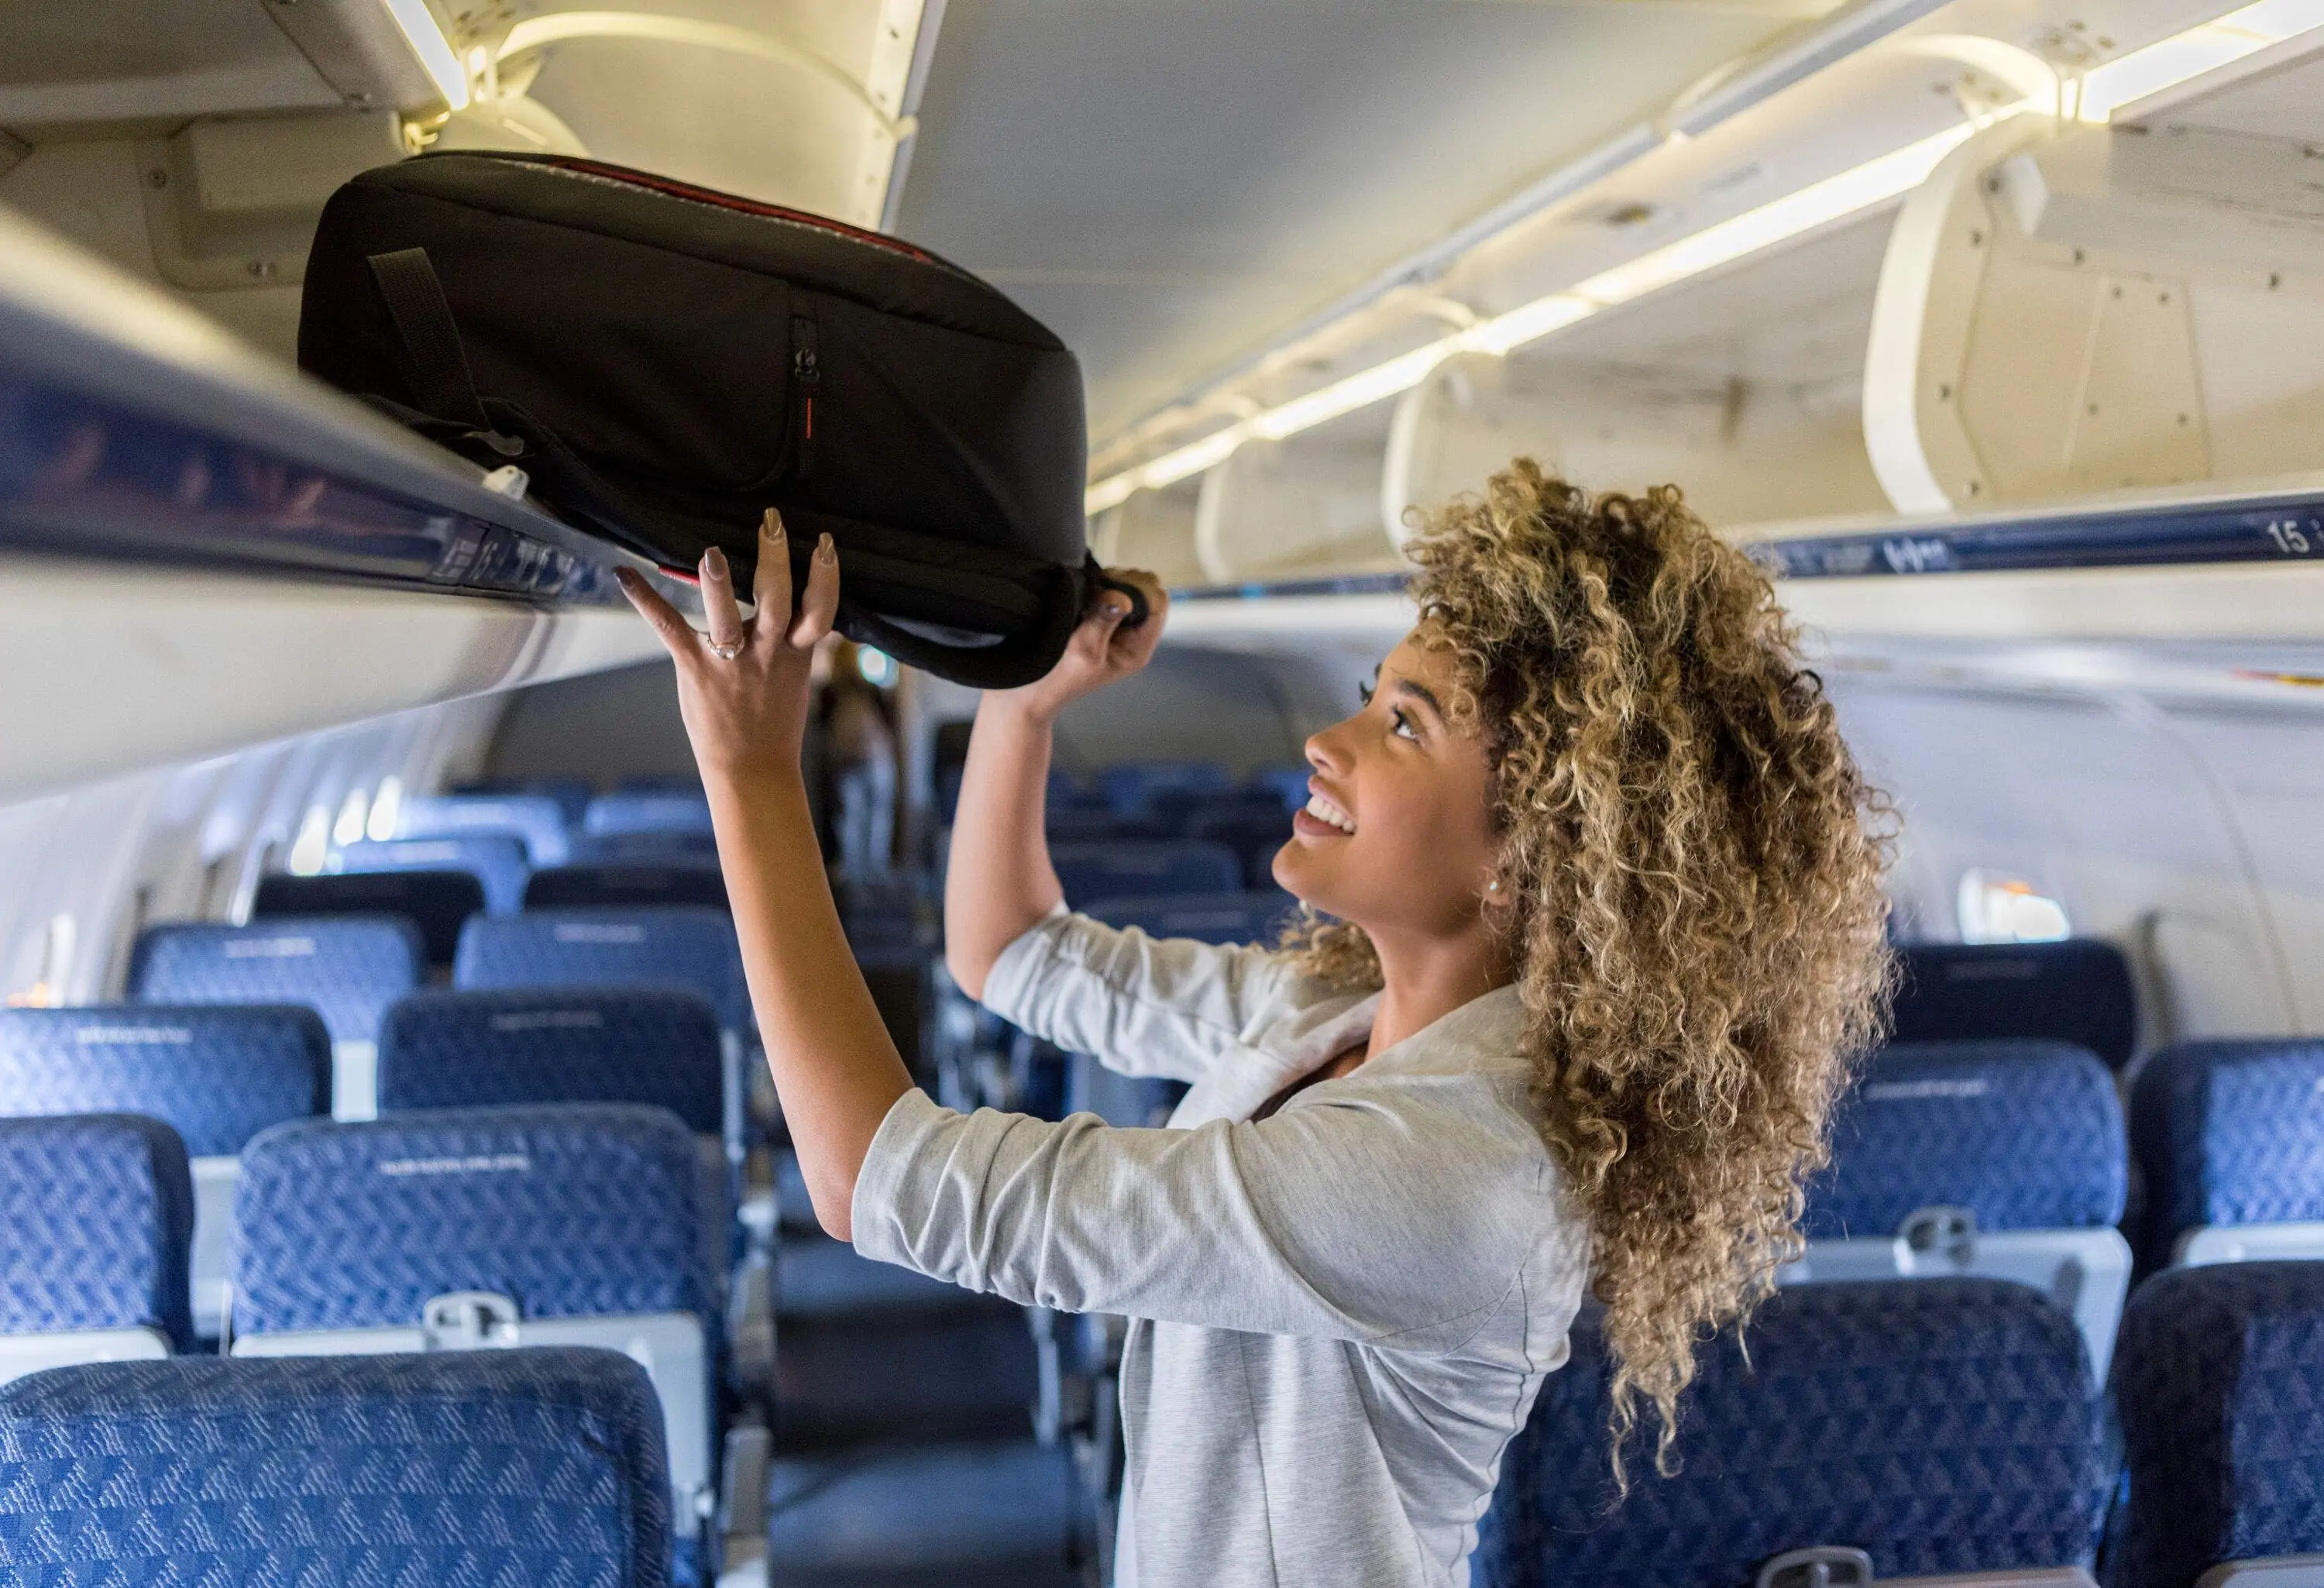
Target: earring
(1494,886)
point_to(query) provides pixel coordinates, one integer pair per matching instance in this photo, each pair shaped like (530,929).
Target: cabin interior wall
(607,728)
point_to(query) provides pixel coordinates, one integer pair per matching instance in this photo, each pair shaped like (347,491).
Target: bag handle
(428,339)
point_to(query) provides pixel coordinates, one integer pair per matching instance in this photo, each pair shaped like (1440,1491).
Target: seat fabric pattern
(646,810)
(621,884)
(2219,1374)
(1091,871)
(536,819)
(1942,1425)
(487,1049)
(2078,991)
(689,947)
(2229,1132)
(2029,1135)
(437,902)
(575,1210)
(539,1468)
(495,860)
(215,1075)
(97,1221)
(346,969)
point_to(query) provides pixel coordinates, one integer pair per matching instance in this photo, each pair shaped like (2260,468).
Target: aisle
(904,1456)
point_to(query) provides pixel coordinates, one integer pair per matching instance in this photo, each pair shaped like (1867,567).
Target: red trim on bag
(810,418)
(638,179)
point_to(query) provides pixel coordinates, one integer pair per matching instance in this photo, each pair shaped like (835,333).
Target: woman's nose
(1326,753)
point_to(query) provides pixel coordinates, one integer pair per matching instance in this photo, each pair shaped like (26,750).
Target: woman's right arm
(998,883)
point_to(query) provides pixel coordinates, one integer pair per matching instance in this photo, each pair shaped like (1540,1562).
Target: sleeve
(1165,1007)
(1350,1220)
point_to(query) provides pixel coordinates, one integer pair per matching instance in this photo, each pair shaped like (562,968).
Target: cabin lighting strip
(1834,198)
(421,31)
(2221,41)
(2102,91)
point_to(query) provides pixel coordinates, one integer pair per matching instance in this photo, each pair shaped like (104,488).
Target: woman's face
(1397,832)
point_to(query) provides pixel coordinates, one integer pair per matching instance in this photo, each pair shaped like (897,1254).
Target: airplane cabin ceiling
(1169,183)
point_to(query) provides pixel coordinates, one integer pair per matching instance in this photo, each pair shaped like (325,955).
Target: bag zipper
(711,196)
(807,374)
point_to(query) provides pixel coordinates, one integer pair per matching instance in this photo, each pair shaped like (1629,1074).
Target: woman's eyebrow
(1421,692)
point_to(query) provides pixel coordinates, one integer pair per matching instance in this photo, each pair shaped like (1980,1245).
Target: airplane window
(385,807)
(56,960)
(877,667)
(349,828)
(1996,909)
(313,843)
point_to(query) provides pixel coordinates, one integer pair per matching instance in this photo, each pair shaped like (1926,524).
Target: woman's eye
(1404,725)
(1364,692)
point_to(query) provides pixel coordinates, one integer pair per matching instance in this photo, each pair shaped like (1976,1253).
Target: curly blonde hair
(1699,923)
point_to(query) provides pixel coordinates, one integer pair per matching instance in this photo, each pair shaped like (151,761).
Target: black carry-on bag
(664,362)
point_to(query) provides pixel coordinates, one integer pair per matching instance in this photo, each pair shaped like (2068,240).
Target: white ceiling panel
(1169,184)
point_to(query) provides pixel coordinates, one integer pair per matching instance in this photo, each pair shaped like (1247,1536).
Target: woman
(1607,924)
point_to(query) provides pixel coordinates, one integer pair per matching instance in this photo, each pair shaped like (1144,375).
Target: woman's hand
(1101,651)
(742,687)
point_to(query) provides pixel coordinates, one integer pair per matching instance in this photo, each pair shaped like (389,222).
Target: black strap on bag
(428,339)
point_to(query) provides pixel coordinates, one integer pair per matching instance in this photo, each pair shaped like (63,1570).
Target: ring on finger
(726,652)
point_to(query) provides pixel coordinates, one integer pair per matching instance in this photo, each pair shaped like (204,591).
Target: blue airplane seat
(1946,1426)
(647,811)
(1133,787)
(346,968)
(2230,1140)
(437,902)
(535,1466)
(622,883)
(572,795)
(497,861)
(2078,991)
(2221,1385)
(216,1076)
(536,819)
(657,1046)
(681,945)
(1091,872)
(97,1221)
(475,1229)
(1255,833)
(647,849)
(1287,784)
(2004,1160)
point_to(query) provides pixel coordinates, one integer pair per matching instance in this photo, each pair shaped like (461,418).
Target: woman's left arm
(744,691)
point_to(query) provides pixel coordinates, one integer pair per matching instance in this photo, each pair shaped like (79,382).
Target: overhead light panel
(1835,198)
(421,31)
(2221,41)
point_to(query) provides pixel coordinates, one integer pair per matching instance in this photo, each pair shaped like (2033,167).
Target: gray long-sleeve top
(1341,1313)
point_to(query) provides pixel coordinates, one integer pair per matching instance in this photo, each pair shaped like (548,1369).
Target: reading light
(1852,191)
(426,37)
(2221,41)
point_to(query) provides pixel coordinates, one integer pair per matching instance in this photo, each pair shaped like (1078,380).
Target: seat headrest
(346,968)
(97,1219)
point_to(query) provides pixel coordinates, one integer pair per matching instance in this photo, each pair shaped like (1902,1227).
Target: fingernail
(825,550)
(772,525)
(1115,609)
(713,562)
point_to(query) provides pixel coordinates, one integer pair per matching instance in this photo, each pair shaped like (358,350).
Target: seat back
(571,795)
(1091,872)
(346,969)
(677,945)
(215,1075)
(501,1467)
(2025,1135)
(1949,1426)
(2229,1135)
(1255,834)
(554,1045)
(2002,1161)
(1287,784)
(647,810)
(496,860)
(97,1218)
(1252,916)
(536,819)
(437,902)
(2215,1381)
(621,884)
(1135,787)
(2078,991)
(474,1228)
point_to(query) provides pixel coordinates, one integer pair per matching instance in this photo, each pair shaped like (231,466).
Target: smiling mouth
(1328,815)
